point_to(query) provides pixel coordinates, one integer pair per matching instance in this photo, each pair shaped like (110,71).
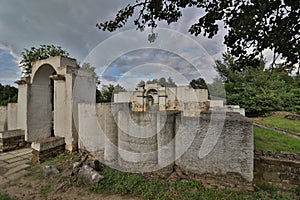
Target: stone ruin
(153,129)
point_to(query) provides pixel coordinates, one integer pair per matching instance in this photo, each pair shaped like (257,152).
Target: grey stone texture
(49,170)
(89,175)
(281,170)
(218,145)
(12,140)
(45,148)
(13,164)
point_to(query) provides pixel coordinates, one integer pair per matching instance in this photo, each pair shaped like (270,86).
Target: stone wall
(9,117)
(281,170)
(12,116)
(44,148)
(217,148)
(3,118)
(11,140)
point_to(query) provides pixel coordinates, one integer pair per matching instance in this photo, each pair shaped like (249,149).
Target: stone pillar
(166,138)
(23,97)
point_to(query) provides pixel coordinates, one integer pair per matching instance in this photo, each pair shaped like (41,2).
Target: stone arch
(151,98)
(38,106)
(48,104)
(41,103)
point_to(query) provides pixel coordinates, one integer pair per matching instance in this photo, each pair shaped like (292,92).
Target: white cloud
(72,25)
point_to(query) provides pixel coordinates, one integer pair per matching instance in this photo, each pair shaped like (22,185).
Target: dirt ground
(34,186)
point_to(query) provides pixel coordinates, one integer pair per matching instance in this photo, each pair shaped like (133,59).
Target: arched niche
(40,107)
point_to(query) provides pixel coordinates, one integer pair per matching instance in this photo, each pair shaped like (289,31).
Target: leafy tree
(141,84)
(198,84)
(8,94)
(107,92)
(161,81)
(88,67)
(216,88)
(170,83)
(34,54)
(256,89)
(253,26)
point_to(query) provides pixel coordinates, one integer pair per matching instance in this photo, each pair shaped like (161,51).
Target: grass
(269,140)
(278,120)
(151,188)
(5,197)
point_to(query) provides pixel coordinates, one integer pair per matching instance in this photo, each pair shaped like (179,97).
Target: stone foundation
(46,148)
(12,140)
(233,181)
(281,170)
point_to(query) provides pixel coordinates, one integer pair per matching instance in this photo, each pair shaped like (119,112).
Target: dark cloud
(71,24)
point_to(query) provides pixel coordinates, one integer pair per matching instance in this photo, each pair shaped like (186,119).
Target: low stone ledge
(12,140)
(47,143)
(274,161)
(11,133)
(45,148)
(281,170)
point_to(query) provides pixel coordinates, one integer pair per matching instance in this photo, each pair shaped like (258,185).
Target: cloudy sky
(125,57)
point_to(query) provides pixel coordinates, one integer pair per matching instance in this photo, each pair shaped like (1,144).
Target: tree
(257,89)
(34,54)
(198,83)
(8,94)
(107,92)
(253,26)
(88,67)
(216,89)
(161,81)
(141,84)
(170,83)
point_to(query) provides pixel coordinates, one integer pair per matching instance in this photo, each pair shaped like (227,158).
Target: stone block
(46,148)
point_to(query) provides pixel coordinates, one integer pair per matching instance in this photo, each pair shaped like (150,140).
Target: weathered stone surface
(89,175)
(12,140)
(281,170)
(95,164)
(44,149)
(292,117)
(50,171)
(208,147)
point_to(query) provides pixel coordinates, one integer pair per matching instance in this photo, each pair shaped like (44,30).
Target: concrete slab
(20,162)
(3,180)
(2,163)
(24,152)
(16,169)
(13,164)
(17,175)
(13,160)
(6,157)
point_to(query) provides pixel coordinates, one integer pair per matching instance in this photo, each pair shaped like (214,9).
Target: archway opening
(152,99)
(41,106)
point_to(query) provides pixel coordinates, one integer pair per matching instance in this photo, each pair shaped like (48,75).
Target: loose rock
(95,164)
(50,171)
(90,175)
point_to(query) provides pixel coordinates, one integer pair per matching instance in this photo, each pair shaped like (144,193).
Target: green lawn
(5,197)
(278,120)
(269,140)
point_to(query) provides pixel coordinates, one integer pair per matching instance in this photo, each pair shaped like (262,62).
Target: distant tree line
(107,92)
(8,94)
(161,81)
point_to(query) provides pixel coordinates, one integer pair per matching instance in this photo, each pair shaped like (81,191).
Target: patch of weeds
(298,191)
(50,186)
(268,188)
(150,188)
(46,189)
(6,197)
